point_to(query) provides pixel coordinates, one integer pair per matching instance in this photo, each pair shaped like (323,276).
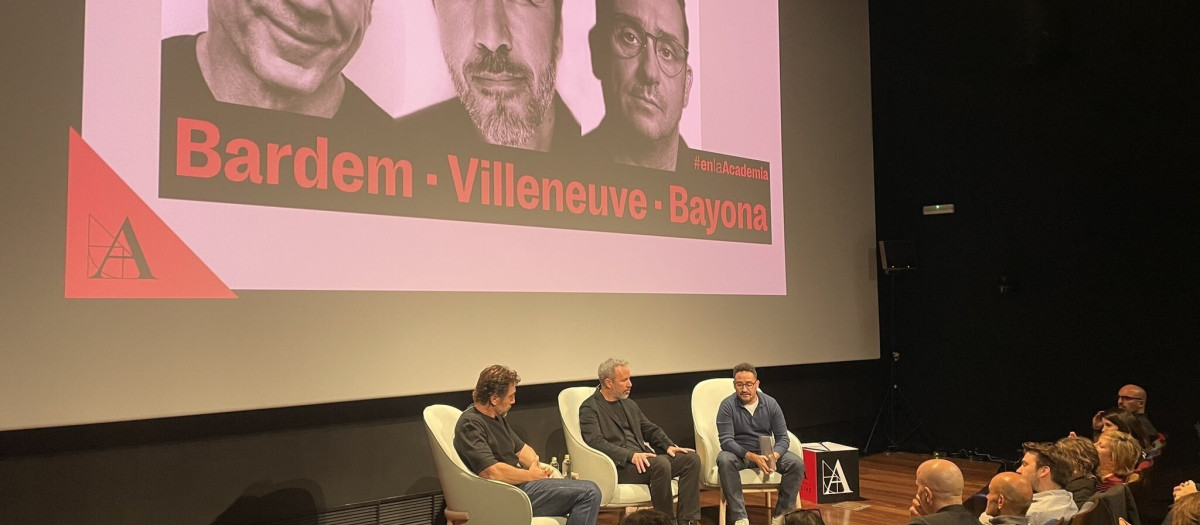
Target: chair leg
(770,506)
(721,519)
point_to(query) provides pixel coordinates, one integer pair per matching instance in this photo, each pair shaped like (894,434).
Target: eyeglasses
(740,386)
(629,39)
(1128,398)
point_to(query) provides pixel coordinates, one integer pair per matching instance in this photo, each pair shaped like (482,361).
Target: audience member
(1186,510)
(1186,488)
(1080,454)
(1009,497)
(1183,489)
(938,500)
(646,517)
(1119,455)
(1132,398)
(803,517)
(1117,418)
(1047,472)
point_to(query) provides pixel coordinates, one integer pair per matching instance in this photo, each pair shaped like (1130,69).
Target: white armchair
(592,464)
(470,497)
(706,400)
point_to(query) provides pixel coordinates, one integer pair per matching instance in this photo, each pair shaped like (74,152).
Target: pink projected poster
(450,145)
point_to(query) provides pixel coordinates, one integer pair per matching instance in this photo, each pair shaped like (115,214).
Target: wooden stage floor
(886,483)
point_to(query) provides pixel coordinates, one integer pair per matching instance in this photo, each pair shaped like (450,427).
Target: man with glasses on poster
(640,54)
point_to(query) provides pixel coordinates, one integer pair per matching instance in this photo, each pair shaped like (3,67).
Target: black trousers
(662,468)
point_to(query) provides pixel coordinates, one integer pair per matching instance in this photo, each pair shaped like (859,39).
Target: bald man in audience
(1009,497)
(1132,398)
(938,500)
(1047,472)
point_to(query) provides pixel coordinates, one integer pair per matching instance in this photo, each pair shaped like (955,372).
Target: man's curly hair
(494,381)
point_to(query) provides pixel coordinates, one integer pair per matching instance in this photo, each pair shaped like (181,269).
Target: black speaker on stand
(896,257)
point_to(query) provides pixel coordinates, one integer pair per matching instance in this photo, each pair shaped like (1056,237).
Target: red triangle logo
(117,247)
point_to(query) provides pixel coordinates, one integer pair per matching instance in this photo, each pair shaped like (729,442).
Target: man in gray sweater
(742,420)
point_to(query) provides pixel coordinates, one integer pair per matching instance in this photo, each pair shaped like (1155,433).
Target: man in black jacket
(613,424)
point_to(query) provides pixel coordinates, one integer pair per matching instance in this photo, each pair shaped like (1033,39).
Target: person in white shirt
(1047,471)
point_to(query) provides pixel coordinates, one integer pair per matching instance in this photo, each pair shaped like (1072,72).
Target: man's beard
(495,119)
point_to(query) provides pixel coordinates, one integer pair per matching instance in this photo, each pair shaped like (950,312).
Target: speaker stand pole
(894,390)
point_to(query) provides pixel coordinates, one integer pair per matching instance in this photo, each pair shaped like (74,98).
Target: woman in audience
(1117,418)
(1186,510)
(1190,512)
(1119,455)
(646,517)
(1081,455)
(803,517)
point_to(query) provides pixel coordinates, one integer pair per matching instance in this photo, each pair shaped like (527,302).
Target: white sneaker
(743,521)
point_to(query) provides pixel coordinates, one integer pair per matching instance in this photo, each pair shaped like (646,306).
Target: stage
(887,485)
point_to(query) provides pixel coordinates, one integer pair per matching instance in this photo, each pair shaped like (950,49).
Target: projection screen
(269,207)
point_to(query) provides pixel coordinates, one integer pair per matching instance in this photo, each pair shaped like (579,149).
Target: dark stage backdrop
(1064,133)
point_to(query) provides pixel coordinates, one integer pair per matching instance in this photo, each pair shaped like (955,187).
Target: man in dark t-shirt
(186,91)
(278,55)
(491,449)
(265,73)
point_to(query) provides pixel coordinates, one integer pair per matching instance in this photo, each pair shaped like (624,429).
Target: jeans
(728,469)
(577,499)
(662,468)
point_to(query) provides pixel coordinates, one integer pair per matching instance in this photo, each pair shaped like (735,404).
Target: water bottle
(566,466)
(554,462)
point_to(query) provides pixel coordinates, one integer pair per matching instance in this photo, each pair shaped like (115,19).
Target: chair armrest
(470,495)
(794,445)
(593,465)
(708,447)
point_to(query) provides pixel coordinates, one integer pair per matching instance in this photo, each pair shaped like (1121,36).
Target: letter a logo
(833,480)
(123,249)
(114,240)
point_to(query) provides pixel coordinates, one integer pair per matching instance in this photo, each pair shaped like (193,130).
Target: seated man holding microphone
(743,420)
